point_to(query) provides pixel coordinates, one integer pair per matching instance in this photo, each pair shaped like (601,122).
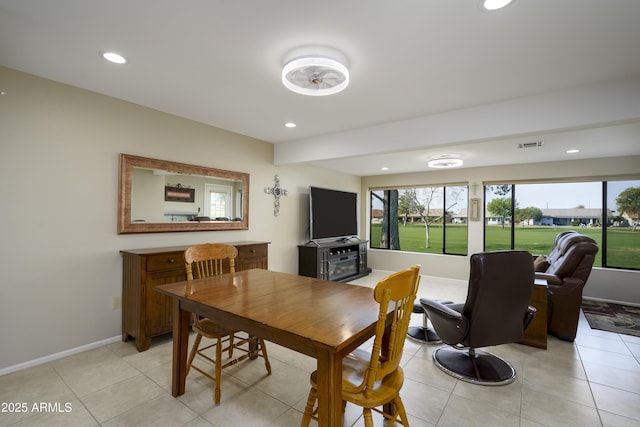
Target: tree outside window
(417,219)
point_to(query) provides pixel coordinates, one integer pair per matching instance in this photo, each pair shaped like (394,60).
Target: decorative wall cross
(277,192)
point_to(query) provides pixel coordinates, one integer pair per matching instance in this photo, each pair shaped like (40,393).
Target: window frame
(443,188)
(606,211)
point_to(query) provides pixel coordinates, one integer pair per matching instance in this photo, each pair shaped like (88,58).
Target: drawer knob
(171,260)
(253,251)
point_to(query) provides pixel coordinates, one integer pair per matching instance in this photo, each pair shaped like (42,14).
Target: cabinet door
(159,307)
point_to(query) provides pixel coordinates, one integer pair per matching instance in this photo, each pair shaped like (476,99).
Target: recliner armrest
(551,279)
(441,309)
(566,287)
(450,325)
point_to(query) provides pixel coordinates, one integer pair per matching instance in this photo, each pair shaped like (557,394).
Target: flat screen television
(333,214)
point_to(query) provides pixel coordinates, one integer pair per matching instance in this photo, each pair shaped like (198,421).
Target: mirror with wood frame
(163,196)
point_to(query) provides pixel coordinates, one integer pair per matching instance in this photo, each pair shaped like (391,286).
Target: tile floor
(594,381)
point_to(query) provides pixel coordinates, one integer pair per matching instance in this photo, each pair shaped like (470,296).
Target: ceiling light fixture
(290,125)
(315,75)
(444,163)
(495,4)
(573,151)
(113,57)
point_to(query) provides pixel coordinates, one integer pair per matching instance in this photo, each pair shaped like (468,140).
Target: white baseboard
(56,356)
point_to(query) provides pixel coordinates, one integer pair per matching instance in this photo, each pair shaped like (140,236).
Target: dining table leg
(329,389)
(181,319)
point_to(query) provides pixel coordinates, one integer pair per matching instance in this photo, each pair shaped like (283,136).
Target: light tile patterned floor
(594,381)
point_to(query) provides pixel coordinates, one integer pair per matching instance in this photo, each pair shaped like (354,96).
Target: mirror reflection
(157,195)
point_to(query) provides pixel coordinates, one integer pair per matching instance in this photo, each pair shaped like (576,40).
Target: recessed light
(495,4)
(384,168)
(290,124)
(573,151)
(113,57)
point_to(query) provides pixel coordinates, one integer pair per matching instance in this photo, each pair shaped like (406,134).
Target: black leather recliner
(566,270)
(496,312)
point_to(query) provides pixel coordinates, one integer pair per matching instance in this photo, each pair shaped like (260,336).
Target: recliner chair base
(424,335)
(474,366)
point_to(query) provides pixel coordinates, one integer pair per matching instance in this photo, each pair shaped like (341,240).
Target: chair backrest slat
(209,259)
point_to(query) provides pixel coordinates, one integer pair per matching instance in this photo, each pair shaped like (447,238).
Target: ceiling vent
(530,144)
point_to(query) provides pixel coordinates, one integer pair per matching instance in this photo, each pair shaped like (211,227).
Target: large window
(422,219)
(529,216)
(622,237)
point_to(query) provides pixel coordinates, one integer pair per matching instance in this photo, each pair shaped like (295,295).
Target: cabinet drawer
(165,261)
(251,251)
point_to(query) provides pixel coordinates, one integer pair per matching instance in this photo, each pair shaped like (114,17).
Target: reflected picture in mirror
(164,196)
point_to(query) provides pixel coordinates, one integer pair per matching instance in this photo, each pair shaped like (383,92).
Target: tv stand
(341,260)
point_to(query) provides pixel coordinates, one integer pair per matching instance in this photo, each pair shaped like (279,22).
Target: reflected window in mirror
(160,196)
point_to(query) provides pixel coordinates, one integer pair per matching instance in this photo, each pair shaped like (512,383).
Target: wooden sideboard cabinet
(146,313)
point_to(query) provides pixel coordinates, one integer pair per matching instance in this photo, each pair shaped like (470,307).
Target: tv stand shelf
(340,261)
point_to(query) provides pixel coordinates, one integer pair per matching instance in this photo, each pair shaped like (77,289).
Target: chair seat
(354,368)
(208,328)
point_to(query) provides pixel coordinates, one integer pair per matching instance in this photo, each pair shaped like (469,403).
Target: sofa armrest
(449,324)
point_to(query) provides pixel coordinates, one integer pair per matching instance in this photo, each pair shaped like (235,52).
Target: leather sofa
(566,270)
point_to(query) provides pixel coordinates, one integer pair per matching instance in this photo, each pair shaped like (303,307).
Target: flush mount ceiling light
(445,161)
(495,4)
(315,75)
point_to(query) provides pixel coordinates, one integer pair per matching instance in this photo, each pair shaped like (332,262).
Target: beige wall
(59,251)
(606,284)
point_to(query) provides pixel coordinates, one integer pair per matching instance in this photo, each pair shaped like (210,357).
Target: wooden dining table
(322,319)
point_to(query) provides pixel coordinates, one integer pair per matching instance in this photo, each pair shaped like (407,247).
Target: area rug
(621,319)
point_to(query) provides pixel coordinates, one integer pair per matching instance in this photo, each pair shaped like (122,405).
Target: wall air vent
(530,144)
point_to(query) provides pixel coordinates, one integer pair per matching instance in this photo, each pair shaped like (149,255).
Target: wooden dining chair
(207,260)
(373,379)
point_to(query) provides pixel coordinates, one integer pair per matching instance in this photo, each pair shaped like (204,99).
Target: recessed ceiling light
(444,163)
(384,168)
(495,4)
(290,124)
(113,57)
(573,151)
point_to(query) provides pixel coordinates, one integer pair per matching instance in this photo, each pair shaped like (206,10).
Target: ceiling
(219,62)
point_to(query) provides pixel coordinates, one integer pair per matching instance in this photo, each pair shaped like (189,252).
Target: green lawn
(623,244)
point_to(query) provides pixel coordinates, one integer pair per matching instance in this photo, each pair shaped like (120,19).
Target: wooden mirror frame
(125,225)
